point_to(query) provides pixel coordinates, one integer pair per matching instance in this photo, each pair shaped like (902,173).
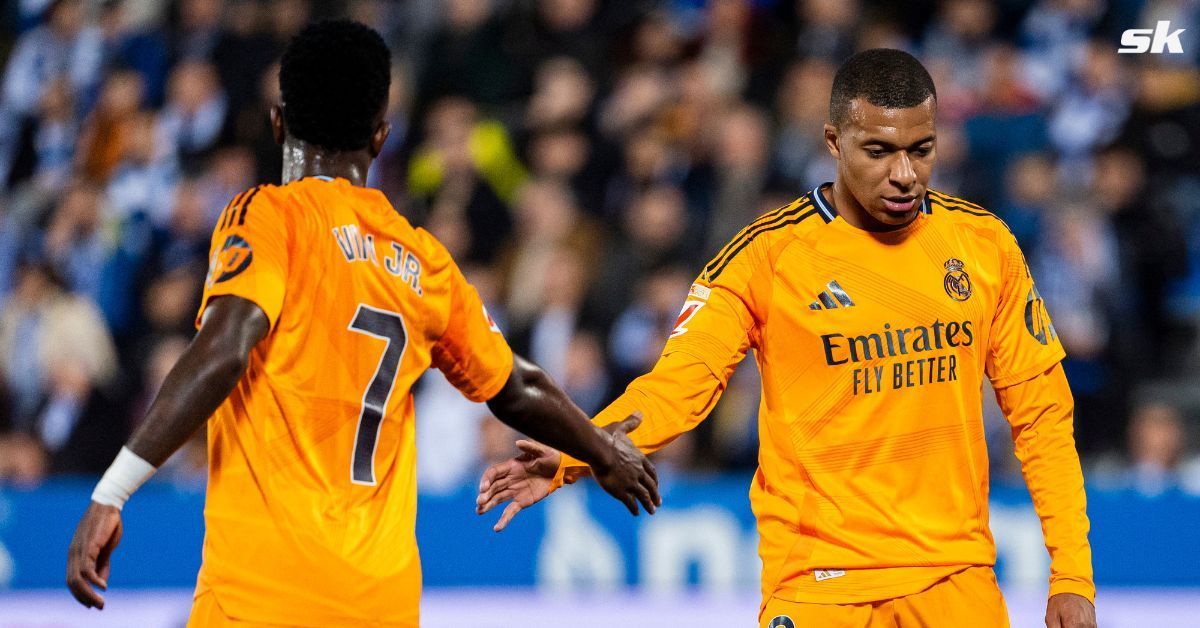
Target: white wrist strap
(123,477)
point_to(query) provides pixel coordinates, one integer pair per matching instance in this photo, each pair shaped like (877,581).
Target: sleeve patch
(690,307)
(229,261)
(490,321)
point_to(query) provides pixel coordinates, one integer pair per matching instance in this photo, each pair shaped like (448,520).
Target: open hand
(1069,610)
(525,480)
(88,557)
(528,478)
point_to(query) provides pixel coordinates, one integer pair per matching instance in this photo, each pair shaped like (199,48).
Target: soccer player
(322,307)
(875,307)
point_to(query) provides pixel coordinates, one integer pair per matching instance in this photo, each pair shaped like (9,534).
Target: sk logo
(957,282)
(1037,320)
(234,257)
(782,621)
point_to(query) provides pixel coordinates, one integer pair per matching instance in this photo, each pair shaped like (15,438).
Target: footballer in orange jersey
(322,307)
(875,308)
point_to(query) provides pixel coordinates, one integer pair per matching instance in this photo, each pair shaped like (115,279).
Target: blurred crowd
(582,159)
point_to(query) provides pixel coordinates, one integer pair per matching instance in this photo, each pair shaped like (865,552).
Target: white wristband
(127,472)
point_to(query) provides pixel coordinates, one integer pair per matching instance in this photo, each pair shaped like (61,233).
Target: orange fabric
(206,613)
(968,597)
(872,349)
(1040,413)
(311,498)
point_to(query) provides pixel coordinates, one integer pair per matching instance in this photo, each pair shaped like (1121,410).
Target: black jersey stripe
(223,220)
(750,232)
(954,199)
(957,205)
(712,276)
(946,199)
(246,205)
(772,215)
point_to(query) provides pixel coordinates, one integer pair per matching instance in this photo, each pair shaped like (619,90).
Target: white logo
(826,574)
(1156,40)
(690,308)
(831,297)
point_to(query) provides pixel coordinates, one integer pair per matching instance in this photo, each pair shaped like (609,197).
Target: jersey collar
(826,210)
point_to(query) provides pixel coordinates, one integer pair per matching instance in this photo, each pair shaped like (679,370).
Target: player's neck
(301,159)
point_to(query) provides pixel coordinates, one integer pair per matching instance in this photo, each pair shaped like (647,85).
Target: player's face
(885,157)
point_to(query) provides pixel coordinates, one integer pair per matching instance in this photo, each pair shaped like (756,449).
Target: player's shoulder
(960,209)
(250,201)
(963,213)
(752,246)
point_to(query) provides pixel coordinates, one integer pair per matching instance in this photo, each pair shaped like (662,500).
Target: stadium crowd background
(582,159)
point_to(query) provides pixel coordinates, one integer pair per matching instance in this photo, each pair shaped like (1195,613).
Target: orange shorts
(969,597)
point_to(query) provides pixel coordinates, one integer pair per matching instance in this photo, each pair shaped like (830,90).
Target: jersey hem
(865,592)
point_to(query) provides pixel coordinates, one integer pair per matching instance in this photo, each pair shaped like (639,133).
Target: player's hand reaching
(629,477)
(88,564)
(528,478)
(1068,610)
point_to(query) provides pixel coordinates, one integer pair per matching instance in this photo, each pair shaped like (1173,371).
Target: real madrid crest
(957,282)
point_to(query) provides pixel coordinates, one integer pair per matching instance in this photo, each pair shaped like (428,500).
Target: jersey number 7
(387,326)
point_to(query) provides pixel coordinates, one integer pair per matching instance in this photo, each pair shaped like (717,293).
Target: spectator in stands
(1157,441)
(55,352)
(195,111)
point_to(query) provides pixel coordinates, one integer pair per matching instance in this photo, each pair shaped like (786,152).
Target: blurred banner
(702,540)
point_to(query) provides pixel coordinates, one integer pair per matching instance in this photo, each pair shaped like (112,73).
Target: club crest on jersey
(234,257)
(690,307)
(781,621)
(957,281)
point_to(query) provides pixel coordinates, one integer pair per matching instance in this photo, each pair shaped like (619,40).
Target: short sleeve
(248,256)
(472,353)
(1023,340)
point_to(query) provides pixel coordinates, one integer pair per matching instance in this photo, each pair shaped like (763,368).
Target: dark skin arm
(532,404)
(204,376)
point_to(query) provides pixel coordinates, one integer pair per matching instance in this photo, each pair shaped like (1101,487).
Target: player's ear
(277,129)
(831,140)
(379,137)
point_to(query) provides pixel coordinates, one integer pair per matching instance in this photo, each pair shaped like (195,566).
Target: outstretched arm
(719,322)
(532,404)
(710,340)
(1041,413)
(204,376)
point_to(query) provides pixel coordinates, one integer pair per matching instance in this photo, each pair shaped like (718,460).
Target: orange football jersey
(311,506)
(873,347)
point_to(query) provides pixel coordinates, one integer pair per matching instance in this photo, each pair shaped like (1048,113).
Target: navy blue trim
(823,207)
(926,206)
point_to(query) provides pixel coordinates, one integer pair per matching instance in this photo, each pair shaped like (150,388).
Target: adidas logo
(831,297)
(826,574)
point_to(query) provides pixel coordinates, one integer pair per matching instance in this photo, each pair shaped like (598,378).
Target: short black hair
(333,82)
(885,77)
